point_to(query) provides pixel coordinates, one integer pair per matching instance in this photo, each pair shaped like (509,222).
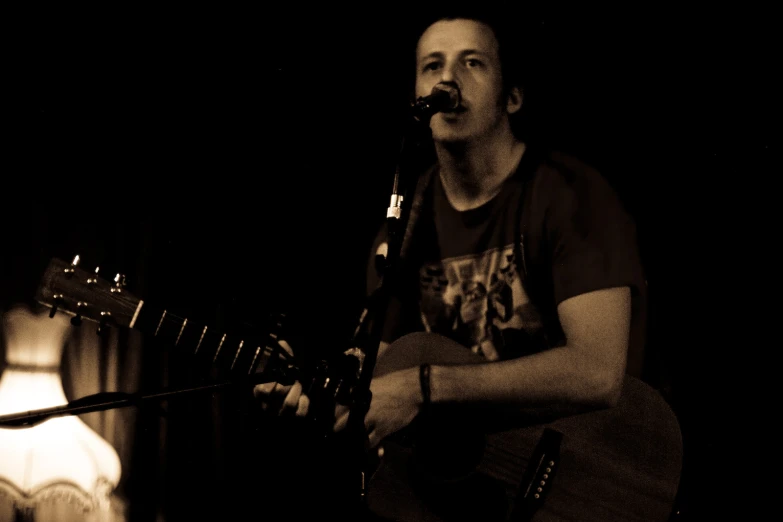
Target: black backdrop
(236,162)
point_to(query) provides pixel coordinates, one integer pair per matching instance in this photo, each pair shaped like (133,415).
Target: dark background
(236,162)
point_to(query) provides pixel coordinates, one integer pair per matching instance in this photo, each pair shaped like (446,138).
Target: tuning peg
(119,283)
(77,319)
(57,299)
(103,324)
(71,269)
(94,280)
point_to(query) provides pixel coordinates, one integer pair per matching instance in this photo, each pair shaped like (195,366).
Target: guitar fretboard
(232,354)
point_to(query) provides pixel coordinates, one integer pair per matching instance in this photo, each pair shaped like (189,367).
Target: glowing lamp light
(62,457)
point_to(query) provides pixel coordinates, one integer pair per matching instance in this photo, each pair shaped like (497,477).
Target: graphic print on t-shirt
(479,301)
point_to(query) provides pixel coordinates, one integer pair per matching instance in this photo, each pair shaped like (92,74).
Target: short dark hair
(514,30)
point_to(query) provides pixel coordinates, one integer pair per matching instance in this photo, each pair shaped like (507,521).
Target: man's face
(465,53)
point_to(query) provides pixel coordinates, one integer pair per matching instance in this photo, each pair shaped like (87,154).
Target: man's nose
(449,73)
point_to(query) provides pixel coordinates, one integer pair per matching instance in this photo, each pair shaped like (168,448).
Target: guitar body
(616,464)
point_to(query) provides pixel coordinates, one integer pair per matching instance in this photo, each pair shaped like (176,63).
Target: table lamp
(61,458)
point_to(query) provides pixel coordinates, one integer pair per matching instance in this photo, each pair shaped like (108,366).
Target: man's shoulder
(557,166)
(560,174)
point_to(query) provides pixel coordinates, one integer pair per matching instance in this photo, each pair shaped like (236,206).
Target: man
(555,325)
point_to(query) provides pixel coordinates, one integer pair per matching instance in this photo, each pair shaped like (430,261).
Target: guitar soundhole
(445,478)
(443,468)
(447,451)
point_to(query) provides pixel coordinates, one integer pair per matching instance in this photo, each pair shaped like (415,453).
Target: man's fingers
(373,438)
(271,388)
(341,421)
(303,407)
(270,394)
(285,346)
(291,401)
(262,390)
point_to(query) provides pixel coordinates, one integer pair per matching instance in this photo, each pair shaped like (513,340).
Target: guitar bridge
(538,477)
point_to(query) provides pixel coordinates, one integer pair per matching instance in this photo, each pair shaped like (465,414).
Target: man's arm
(587,373)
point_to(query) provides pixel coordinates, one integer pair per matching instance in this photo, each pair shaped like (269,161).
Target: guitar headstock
(85,295)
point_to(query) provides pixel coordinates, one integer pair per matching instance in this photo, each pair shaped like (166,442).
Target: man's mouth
(457,110)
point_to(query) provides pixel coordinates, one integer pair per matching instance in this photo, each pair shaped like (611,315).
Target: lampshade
(61,457)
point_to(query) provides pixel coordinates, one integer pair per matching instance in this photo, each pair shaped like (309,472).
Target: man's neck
(472,173)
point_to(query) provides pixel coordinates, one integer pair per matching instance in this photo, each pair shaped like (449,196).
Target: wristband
(424,381)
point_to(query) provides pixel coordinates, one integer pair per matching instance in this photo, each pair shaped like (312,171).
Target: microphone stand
(368,334)
(111,400)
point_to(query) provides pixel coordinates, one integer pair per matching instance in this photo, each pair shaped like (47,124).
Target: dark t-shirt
(491,278)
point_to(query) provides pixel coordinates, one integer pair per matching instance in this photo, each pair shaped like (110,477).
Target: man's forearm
(559,379)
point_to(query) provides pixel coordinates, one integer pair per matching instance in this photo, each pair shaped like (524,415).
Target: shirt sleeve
(592,238)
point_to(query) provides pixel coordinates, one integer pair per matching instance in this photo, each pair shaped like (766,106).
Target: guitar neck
(70,289)
(228,352)
(238,356)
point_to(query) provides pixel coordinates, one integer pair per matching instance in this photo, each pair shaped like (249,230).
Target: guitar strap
(415,209)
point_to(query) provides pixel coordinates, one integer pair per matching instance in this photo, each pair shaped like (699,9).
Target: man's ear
(514,100)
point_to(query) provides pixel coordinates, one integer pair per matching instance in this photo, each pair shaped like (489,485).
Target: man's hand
(285,399)
(396,400)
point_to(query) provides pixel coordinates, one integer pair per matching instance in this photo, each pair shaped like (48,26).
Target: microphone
(443,97)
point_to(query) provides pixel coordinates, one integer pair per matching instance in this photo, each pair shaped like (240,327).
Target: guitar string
(503,461)
(130,304)
(500,450)
(497,462)
(499,456)
(264,356)
(510,477)
(178,321)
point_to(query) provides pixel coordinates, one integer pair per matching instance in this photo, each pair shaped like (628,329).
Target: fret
(170,328)
(136,314)
(156,323)
(203,333)
(185,322)
(222,340)
(177,333)
(235,361)
(267,351)
(241,343)
(238,356)
(253,363)
(263,354)
(160,323)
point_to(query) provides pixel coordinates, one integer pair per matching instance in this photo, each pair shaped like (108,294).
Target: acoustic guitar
(617,464)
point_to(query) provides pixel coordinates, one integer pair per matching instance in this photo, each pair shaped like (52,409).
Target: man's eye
(431,66)
(472,62)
